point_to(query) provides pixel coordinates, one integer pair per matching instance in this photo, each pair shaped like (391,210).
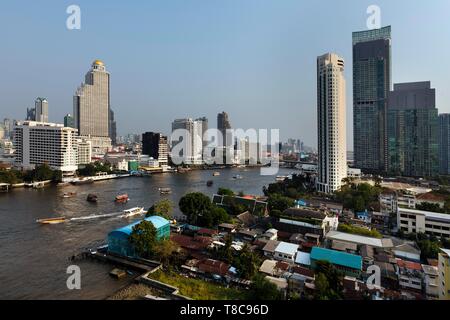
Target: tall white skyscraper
(41,110)
(192,151)
(91,107)
(331,123)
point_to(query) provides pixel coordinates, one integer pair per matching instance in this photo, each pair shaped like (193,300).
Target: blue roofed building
(118,240)
(348,263)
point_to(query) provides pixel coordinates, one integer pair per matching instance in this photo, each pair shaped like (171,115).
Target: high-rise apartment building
(192,149)
(37,143)
(371,85)
(112,128)
(41,110)
(444,144)
(31,114)
(91,107)
(155,145)
(413,130)
(331,123)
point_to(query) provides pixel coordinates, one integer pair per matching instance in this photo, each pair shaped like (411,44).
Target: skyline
(254,60)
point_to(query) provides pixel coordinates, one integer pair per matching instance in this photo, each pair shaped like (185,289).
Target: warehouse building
(118,240)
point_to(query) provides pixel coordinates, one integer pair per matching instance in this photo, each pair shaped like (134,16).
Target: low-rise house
(286,251)
(247,235)
(303,259)
(269,248)
(271,234)
(410,275)
(389,278)
(348,263)
(431,281)
(344,246)
(407,251)
(281,283)
(268,267)
(227,227)
(214,267)
(204,232)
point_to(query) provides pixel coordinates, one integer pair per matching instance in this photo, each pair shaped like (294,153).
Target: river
(34,257)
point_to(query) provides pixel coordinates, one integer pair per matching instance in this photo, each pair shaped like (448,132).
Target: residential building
(444,274)
(41,110)
(431,281)
(413,130)
(286,252)
(444,143)
(190,150)
(348,263)
(37,143)
(112,128)
(91,107)
(417,221)
(371,85)
(84,151)
(410,275)
(155,145)
(331,123)
(359,240)
(407,251)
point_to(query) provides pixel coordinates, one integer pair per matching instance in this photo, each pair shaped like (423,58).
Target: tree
(195,205)
(143,238)
(263,289)
(225,192)
(161,208)
(247,263)
(164,250)
(279,202)
(431,207)
(328,281)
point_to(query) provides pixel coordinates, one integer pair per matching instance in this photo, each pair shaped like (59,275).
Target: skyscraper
(413,130)
(31,114)
(444,143)
(331,123)
(223,124)
(112,128)
(371,85)
(41,110)
(192,151)
(69,121)
(91,107)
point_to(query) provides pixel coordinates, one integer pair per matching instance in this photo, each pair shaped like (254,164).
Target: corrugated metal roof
(287,248)
(337,257)
(157,221)
(303,258)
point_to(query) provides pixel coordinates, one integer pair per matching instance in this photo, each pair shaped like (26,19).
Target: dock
(140,265)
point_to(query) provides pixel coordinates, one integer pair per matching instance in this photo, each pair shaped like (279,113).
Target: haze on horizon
(255,59)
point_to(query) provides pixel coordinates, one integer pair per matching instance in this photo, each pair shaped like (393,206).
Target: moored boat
(69,194)
(165,190)
(216,174)
(83,181)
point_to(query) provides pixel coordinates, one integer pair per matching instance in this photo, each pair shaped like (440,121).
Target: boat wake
(98,216)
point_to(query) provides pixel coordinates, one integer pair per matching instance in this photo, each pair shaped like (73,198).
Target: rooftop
(303,258)
(374,242)
(157,221)
(287,248)
(337,257)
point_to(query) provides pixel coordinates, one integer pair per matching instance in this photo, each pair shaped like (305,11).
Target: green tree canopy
(263,289)
(194,205)
(143,238)
(279,202)
(163,208)
(225,192)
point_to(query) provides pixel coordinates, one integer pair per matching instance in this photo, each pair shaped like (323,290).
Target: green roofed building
(118,240)
(348,263)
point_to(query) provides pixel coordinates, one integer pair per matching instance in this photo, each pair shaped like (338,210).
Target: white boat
(237,177)
(216,174)
(133,212)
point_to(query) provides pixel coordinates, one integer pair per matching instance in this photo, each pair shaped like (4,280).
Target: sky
(168,59)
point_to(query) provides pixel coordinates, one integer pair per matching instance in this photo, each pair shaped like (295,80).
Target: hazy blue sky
(255,59)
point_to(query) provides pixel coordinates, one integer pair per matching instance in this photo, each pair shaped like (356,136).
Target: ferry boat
(165,190)
(92,198)
(133,212)
(122,198)
(216,174)
(69,194)
(52,220)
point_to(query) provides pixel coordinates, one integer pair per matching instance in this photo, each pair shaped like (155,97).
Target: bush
(359,231)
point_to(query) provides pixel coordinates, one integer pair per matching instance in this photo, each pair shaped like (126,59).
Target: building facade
(413,130)
(223,124)
(38,143)
(91,106)
(444,274)
(371,85)
(112,128)
(69,121)
(417,221)
(155,145)
(41,110)
(191,150)
(444,143)
(331,124)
